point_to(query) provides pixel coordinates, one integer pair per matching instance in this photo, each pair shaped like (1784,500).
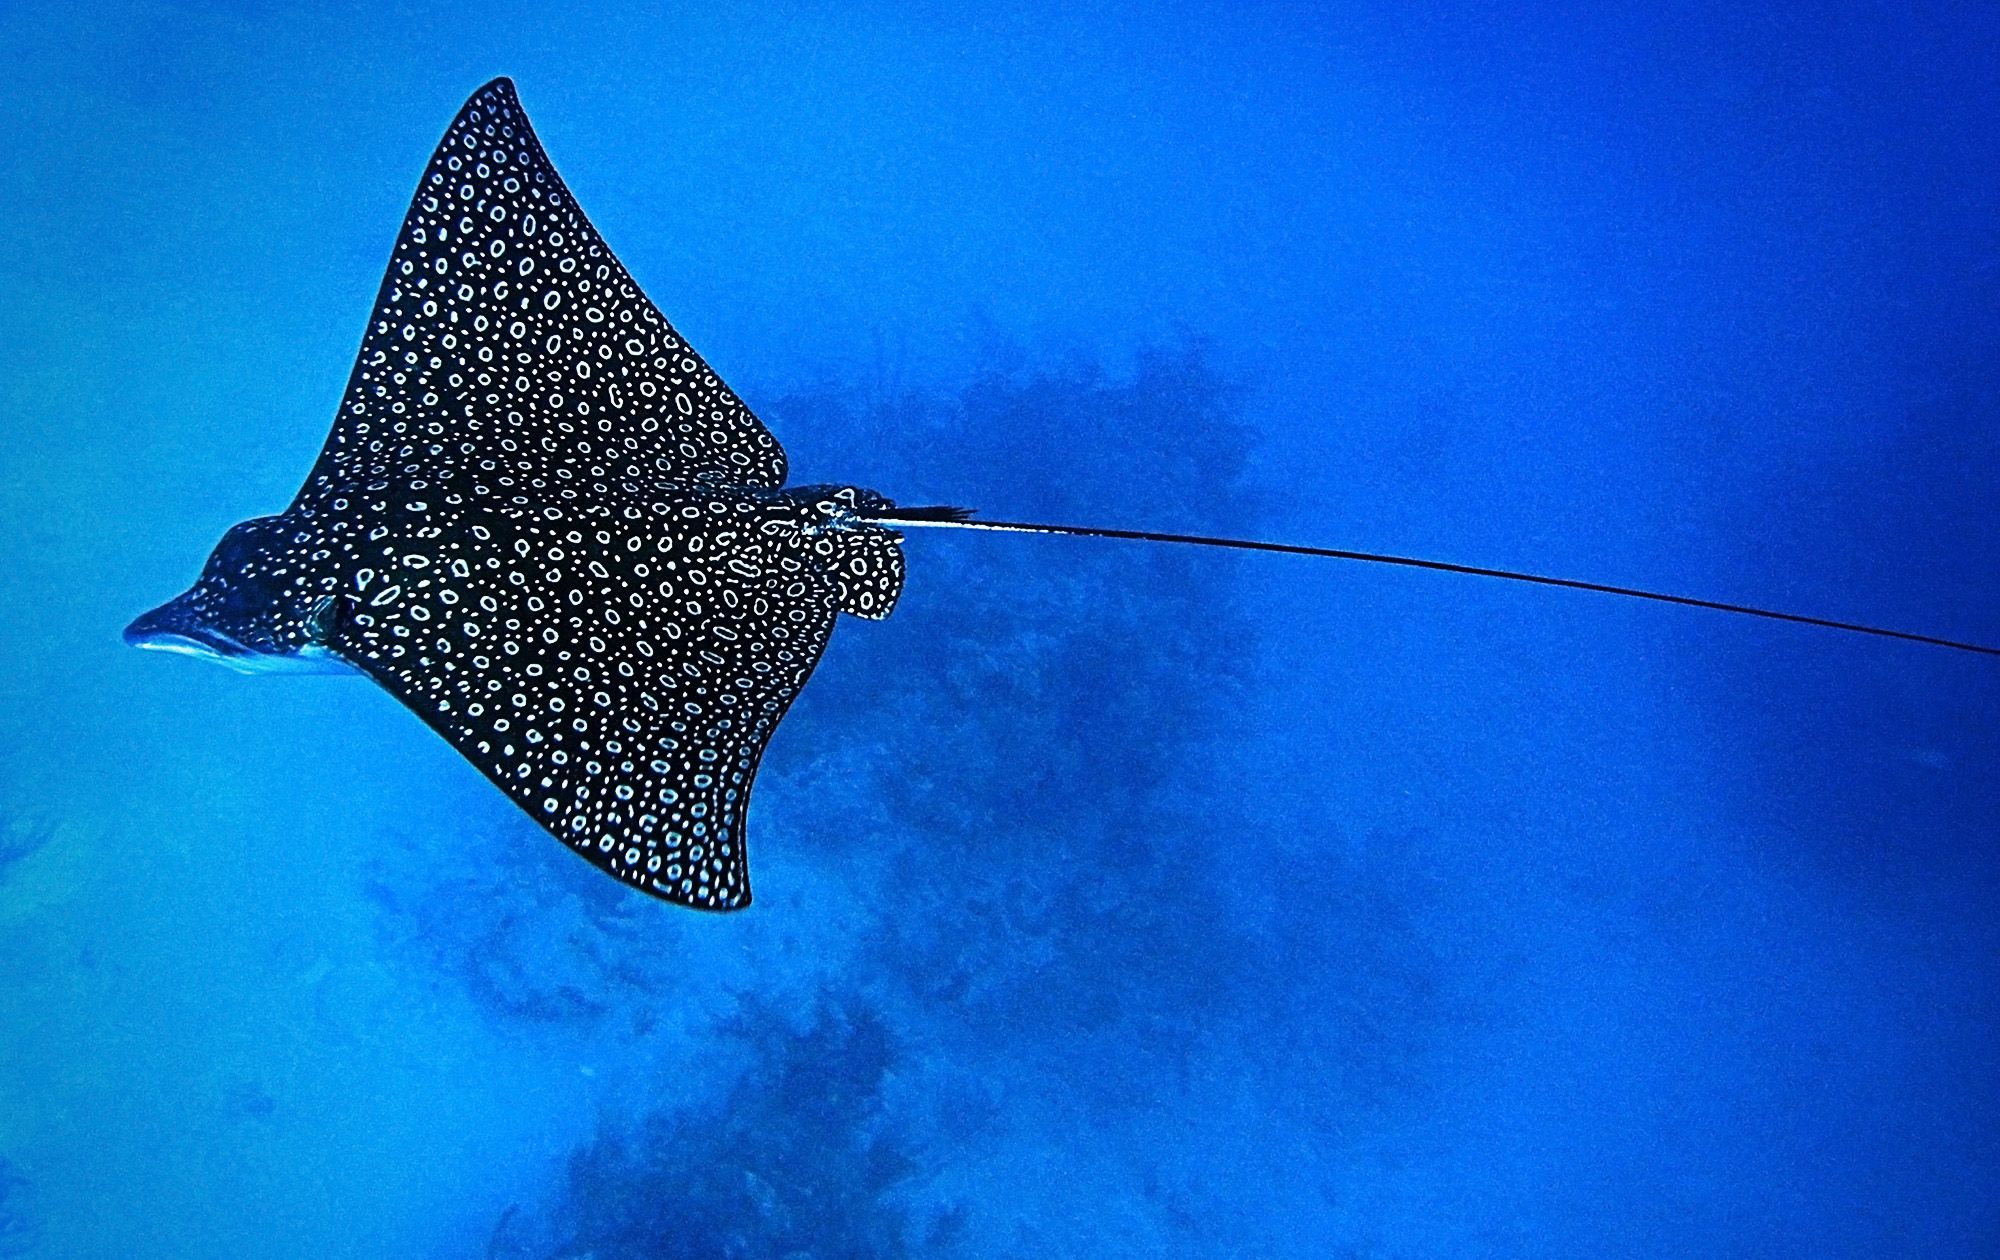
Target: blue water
(1111,901)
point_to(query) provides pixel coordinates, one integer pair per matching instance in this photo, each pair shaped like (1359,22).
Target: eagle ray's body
(543,524)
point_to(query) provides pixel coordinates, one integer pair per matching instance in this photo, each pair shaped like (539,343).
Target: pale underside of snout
(168,628)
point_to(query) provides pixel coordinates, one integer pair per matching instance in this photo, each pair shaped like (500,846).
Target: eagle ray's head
(254,608)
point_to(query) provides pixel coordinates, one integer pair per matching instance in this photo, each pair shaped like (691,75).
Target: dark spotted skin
(543,524)
(616,669)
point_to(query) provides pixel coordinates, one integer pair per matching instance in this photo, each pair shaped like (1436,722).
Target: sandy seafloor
(1111,901)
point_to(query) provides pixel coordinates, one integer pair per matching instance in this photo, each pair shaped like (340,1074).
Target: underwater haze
(1112,899)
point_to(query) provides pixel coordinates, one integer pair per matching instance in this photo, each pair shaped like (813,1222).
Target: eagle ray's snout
(149,627)
(176,626)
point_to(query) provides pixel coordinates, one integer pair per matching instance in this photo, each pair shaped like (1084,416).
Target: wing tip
(501,87)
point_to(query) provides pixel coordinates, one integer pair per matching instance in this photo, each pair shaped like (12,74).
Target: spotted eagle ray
(545,525)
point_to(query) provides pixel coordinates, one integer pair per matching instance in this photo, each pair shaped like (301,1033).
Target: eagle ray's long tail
(961,518)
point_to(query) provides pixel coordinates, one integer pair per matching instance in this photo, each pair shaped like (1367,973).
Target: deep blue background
(1111,901)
